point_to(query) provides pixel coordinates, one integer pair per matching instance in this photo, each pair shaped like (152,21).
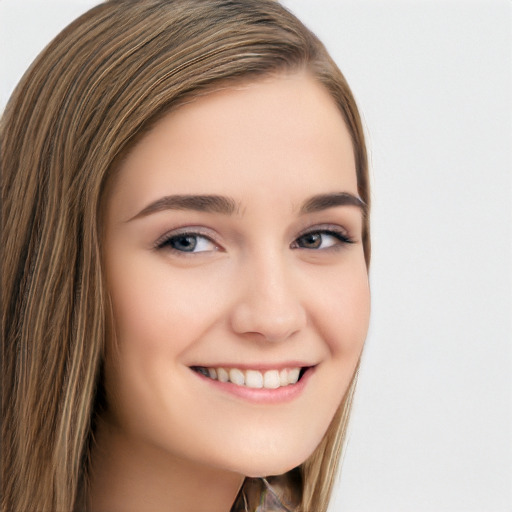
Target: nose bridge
(268,303)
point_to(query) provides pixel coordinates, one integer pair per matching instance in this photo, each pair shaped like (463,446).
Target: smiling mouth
(270,379)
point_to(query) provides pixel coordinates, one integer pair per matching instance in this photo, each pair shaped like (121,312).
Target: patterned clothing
(272,494)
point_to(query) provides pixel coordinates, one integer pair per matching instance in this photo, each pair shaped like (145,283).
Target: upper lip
(256,366)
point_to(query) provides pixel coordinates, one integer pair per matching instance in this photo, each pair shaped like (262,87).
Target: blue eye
(321,239)
(188,243)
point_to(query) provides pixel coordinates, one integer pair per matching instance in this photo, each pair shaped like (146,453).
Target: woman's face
(233,252)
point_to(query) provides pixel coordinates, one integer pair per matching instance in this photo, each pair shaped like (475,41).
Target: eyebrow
(200,203)
(324,201)
(228,206)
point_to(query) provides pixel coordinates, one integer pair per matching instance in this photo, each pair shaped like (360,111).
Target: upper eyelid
(187,230)
(324,227)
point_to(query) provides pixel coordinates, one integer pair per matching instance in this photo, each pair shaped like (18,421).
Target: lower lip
(262,395)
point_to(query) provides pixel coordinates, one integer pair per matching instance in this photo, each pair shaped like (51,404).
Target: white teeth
(253,379)
(293,375)
(271,379)
(236,377)
(222,375)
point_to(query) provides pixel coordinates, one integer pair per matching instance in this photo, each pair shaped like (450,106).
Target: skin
(250,294)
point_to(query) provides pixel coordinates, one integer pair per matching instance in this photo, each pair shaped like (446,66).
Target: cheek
(153,307)
(157,318)
(341,310)
(353,313)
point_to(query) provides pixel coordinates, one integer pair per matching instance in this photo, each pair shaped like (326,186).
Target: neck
(128,475)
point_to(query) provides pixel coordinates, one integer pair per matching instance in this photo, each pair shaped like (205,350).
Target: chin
(265,447)
(271,462)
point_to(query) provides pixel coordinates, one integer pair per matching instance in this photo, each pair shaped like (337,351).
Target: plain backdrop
(432,423)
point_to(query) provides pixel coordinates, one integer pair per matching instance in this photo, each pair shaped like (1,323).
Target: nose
(268,305)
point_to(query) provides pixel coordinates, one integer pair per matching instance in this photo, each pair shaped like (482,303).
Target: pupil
(312,240)
(185,243)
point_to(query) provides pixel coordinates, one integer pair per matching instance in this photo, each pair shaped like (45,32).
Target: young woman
(185,252)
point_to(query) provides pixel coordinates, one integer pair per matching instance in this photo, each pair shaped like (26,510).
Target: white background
(432,425)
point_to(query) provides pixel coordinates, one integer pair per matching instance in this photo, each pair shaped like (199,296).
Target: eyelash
(343,239)
(165,241)
(335,232)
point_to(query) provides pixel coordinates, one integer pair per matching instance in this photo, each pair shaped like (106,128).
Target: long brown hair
(83,103)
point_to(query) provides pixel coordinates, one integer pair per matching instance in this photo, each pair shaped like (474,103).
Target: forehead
(280,134)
